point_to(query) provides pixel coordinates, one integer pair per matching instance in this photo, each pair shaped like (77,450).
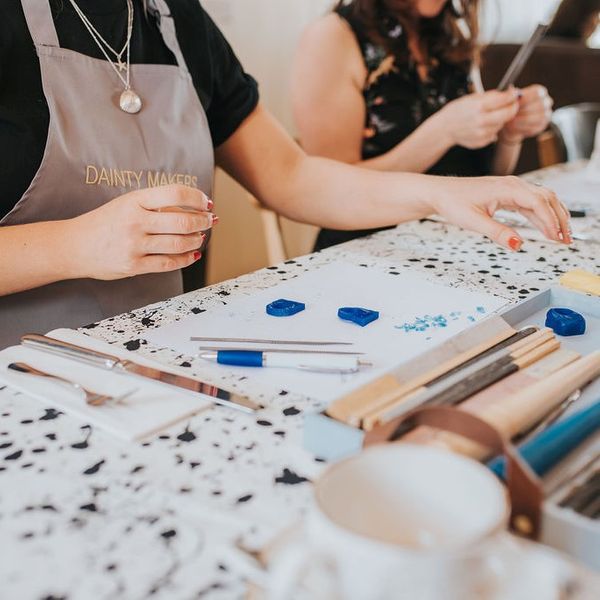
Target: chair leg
(548,149)
(273,236)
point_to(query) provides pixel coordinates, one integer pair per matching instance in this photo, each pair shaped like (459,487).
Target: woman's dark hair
(442,36)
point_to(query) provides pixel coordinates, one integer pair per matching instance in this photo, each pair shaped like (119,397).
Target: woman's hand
(145,231)
(474,121)
(535,111)
(474,206)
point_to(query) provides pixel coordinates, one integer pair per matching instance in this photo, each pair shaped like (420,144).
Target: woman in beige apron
(103,142)
(75,251)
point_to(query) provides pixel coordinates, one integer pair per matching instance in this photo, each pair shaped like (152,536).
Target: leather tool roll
(524,487)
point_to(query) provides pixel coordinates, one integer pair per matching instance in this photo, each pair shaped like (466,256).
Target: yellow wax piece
(582,281)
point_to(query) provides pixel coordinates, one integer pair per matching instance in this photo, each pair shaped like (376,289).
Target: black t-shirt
(226,92)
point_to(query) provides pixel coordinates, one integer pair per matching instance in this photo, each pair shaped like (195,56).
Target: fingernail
(515,243)
(519,94)
(209,204)
(215,219)
(197,255)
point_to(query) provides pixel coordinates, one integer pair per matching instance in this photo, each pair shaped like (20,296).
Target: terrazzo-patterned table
(85,516)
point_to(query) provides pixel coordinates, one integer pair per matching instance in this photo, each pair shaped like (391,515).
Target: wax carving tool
(583,494)
(471,380)
(278,350)
(521,409)
(482,403)
(573,474)
(592,508)
(316,363)
(513,339)
(548,448)
(498,370)
(554,415)
(113,363)
(381,393)
(268,342)
(520,60)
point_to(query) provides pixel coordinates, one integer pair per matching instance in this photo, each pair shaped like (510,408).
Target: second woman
(394,85)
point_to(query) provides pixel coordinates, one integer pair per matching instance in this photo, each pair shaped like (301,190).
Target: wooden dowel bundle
(361,407)
(470,380)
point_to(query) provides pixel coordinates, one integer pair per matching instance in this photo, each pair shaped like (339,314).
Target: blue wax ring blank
(565,322)
(360,316)
(284,308)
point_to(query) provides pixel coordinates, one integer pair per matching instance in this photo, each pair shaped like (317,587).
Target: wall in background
(511,21)
(264,34)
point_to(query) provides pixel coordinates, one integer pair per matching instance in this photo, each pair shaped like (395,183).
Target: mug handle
(524,487)
(285,572)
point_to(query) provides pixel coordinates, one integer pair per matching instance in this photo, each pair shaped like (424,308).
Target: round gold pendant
(130,102)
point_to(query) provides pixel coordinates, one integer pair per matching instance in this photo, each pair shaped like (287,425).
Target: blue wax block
(360,316)
(284,308)
(565,322)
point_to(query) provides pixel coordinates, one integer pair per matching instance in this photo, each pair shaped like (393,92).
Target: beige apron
(96,152)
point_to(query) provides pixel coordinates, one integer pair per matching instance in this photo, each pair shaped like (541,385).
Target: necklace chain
(98,37)
(100,41)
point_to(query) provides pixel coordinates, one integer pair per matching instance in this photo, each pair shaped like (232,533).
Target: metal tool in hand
(224,340)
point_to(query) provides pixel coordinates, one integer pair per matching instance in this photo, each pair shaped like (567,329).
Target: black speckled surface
(86,516)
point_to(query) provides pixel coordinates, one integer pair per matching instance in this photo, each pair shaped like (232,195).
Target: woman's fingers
(162,263)
(498,118)
(564,218)
(534,220)
(494,100)
(174,195)
(482,222)
(547,208)
(172,244)
(180,222)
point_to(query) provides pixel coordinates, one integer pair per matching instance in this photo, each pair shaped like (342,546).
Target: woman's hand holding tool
(474,121)
(145,231)
(533,116)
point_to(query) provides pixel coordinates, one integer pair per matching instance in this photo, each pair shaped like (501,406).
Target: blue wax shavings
(424,323)
(429,322)
(284,308)
(360,316)
(565,322)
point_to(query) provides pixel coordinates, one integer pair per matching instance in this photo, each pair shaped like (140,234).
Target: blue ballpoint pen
(548,448)
(322,363)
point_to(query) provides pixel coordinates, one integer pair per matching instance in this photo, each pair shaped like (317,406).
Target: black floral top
(398,102)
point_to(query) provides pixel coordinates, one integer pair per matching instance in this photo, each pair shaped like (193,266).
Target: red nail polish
(515,243)
(209,204)
(215,219)
(197,255)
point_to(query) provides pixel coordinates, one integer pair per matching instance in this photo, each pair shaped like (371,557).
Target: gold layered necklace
(129,101)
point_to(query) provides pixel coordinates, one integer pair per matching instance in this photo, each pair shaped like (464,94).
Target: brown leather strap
(524,487)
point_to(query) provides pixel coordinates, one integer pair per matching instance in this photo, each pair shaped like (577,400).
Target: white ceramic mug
(593,168)
(404,521)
